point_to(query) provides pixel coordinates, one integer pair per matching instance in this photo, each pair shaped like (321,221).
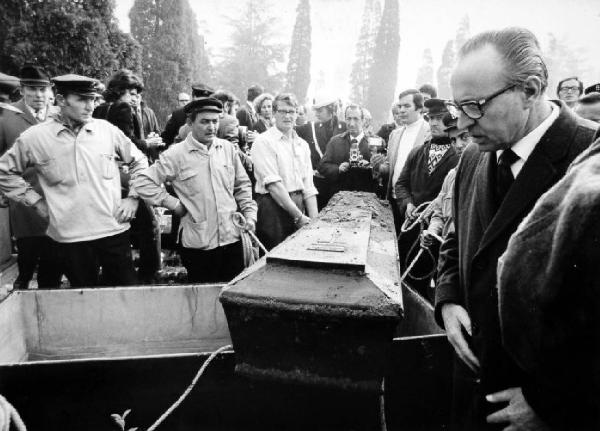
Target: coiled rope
(8,415)
(250,242)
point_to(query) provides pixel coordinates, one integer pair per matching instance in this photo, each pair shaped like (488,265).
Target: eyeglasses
(567,89)
(184,100)
(474,108)
(286,111)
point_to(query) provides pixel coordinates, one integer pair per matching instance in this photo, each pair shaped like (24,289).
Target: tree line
(165,47)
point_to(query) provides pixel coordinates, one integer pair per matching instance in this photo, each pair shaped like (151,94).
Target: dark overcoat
(469,255)
(548,287)
(25,221)
(338,152)
(415,184)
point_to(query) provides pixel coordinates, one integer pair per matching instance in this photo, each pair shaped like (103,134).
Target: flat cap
(33,76)
(8,83)
(77,84)
(436,106)
(592,89)
(204,104)
(200,87)
(450,121)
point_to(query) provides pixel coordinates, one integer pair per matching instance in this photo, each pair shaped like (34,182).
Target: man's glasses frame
(287,111)
(474,108)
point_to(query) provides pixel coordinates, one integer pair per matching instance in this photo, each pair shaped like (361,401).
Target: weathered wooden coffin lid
(345,261)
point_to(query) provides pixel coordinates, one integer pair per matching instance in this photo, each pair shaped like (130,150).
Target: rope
(183,396)
(7,414)
(248,240)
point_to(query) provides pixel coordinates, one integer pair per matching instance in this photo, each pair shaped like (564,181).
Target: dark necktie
(504,175)
(140,123)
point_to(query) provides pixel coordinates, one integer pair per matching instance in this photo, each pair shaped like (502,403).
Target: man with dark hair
(247,115)
(568,90)
(178,117)
(523,144)
(285,192)
(318,134)
(346,162)
(210,183)
(386,129)
(29,229)
(428,91)
(75,156)
(413,133)
(589,107)
(228,99)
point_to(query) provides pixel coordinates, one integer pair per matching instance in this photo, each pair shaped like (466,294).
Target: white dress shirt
(524,147)
(407,135)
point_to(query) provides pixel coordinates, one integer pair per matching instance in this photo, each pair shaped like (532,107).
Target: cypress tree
(425,73)
(298,69)
(463,33)
(445,71)
(365,46)
(173,54)
(383,73)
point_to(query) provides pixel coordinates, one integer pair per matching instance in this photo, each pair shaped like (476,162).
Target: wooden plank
(339,240)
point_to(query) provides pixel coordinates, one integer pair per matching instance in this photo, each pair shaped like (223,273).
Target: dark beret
(450,121)
(199,87)
(203,104)
(436,106)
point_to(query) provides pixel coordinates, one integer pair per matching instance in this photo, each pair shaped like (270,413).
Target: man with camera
(346,163)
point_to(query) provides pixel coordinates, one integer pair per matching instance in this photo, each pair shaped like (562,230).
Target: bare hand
(41,207)
(455,318)
(250,225)
(518,414)
(250,136)
(180,210)
(304,220)
(410,210)
(127,209)
(426,239)
(344,167)
(377,160)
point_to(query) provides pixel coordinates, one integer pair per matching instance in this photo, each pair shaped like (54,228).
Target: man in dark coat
(247,115)
(35,249)
(548,290)
(345,164)
(317,135)
(178,117)
(523,143)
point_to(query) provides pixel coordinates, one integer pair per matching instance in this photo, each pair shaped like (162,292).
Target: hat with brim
(33,76)
(436,107)
(450,121)
(203,104)
(323,102)
(202,89)
(76,84)
(592,89)
(8,83)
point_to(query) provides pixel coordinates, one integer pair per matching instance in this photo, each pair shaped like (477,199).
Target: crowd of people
(501,179)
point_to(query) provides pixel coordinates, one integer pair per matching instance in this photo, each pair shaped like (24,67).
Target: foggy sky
(423,24)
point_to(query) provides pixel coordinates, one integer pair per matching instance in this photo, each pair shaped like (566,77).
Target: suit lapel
(536,177)
(484,189)
(26,115)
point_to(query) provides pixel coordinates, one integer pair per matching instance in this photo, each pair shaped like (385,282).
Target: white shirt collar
(524,147)
(42,111)
(359,138)
(415,125)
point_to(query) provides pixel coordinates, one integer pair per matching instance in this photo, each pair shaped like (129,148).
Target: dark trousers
(220,264)
(82,261)
(145,236)
(41,253)
(274,224)
(325,191)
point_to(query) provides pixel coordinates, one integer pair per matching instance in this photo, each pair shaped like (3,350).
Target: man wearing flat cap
(211,184)
(29,229)
(178,117)
(423,175)
(8,86)
(75,157)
